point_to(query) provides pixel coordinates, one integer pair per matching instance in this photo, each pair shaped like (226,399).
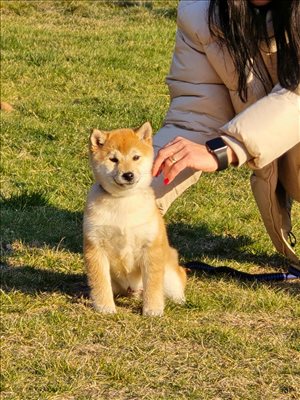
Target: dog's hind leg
(174,279)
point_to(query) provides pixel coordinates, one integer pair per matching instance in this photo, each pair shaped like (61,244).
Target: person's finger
(166,167)
(174,170)
(163,154)
(176,140)
(174,158)
(157,166)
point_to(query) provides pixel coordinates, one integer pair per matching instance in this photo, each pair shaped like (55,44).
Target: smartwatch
(218,148)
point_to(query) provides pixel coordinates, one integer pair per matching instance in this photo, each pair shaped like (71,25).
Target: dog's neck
(121,194)
(102,189)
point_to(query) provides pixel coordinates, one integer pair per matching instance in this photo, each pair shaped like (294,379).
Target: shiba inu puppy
(126,248)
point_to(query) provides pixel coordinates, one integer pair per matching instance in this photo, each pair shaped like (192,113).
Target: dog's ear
(97,139)
(144,132)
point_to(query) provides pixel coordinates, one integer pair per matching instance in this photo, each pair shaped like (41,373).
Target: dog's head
(122,159)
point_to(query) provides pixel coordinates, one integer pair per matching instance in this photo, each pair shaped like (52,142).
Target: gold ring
(172,159)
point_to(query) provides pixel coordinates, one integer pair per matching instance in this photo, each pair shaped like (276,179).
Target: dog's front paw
(104,309)
(153,312)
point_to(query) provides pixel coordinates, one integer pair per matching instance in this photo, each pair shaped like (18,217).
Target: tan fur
(126,248)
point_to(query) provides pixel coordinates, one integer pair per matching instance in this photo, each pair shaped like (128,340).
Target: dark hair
(241,27)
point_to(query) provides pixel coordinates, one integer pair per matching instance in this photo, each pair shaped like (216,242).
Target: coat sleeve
(200,101)
(266,129)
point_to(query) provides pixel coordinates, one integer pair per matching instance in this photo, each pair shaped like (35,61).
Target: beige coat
(264,131)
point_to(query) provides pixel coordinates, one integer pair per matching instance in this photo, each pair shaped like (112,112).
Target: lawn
(69,66)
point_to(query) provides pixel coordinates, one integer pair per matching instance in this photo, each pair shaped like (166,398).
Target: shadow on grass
(34,281)
(29,218)
(197,241)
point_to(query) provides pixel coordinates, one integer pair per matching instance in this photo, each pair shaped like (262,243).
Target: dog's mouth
(126,184)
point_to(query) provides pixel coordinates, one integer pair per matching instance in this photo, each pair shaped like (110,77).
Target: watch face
(215,144)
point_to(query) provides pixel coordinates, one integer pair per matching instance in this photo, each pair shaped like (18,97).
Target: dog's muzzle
(126,179)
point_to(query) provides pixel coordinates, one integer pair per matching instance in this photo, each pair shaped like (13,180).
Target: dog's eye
(114,160)
(136,157)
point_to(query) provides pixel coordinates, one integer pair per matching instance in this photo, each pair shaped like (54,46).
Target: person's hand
(182,153)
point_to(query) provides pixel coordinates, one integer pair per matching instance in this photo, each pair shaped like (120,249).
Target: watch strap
(222,159)
(218,148)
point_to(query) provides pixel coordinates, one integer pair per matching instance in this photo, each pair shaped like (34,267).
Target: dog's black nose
(128,176)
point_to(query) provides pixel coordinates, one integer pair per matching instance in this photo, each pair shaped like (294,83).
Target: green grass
(69,66)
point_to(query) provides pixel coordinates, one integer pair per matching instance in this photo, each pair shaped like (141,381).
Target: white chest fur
(122,226)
